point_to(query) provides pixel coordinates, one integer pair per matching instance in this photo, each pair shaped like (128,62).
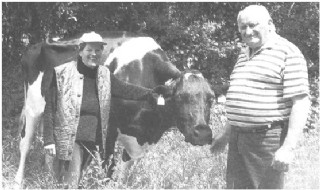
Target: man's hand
(298,117)
(50,149)
(283,157)
(219,142)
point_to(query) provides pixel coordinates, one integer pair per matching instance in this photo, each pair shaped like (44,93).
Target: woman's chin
(92,64)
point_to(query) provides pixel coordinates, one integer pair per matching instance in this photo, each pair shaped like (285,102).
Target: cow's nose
(201,135)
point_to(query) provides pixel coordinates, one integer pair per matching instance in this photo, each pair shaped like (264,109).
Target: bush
(196,47)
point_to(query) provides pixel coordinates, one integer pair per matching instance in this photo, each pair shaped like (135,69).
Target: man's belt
(261,128)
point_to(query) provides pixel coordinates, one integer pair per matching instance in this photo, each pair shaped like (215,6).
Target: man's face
(91,54)
(254,31)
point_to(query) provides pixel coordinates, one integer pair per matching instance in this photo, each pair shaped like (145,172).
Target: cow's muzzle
(201,135)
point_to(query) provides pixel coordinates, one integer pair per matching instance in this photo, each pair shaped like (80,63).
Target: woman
(77,109)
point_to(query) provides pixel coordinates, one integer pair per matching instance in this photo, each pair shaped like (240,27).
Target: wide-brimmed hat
(91,37)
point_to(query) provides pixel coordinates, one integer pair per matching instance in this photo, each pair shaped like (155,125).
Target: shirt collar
(274,38)
(269,44)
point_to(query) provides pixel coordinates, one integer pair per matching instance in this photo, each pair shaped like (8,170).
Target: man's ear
(272,27)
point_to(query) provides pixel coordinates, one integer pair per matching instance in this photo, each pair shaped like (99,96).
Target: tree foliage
(197,36)
(201,35)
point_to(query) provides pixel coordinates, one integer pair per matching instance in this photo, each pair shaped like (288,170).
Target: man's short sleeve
(295,75)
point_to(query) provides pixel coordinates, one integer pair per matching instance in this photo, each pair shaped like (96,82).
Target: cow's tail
(22,119)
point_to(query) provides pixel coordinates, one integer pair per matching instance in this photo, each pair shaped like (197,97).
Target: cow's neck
(168,113)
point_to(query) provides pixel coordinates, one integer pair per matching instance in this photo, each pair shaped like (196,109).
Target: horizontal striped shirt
(262,85)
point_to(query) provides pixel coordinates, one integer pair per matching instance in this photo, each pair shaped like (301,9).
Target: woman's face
(91,54)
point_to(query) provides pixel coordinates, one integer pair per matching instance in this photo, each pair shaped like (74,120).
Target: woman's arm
(49,112)
(128,91)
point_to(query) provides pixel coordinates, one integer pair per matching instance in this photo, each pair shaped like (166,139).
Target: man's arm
(298,118)
(220,141)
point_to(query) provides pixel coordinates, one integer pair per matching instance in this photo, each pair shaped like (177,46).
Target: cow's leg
(109,163)
(132,152)
(112,134)
(126,168)
(111,167)
(34,106)
(127,164)
(25,143)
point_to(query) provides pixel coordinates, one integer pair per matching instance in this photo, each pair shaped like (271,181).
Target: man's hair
(259,11)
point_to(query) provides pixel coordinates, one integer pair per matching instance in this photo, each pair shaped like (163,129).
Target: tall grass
(170,164)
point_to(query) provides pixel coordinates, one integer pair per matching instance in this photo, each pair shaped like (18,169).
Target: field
(170,164)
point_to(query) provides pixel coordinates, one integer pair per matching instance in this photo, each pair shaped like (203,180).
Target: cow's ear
(211,94)
(211,98)
(220,89)
(166,91)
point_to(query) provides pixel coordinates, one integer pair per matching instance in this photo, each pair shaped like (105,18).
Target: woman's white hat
(91,37)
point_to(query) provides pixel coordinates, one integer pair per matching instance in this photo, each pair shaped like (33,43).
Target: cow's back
(44,56)
(30,64)
(133,61)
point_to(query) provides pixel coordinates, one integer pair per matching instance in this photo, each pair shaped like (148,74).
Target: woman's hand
(166,91)
(161,90)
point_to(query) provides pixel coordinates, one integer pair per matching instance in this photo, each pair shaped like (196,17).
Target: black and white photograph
(160,95)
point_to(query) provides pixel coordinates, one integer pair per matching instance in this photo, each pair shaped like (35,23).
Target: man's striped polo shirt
(262,85)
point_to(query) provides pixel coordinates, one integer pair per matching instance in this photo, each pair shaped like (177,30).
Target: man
(267,105)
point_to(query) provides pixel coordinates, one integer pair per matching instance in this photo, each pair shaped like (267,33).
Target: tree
(205,38)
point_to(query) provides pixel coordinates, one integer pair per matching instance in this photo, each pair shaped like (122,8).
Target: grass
(304,172)
(170,164)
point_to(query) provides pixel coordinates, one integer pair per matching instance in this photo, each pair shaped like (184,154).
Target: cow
(133,58)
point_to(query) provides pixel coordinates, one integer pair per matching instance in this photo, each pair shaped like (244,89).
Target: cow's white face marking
(35,102)
(133,49)
(132,146)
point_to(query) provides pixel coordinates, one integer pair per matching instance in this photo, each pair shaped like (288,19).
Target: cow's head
(191,101)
